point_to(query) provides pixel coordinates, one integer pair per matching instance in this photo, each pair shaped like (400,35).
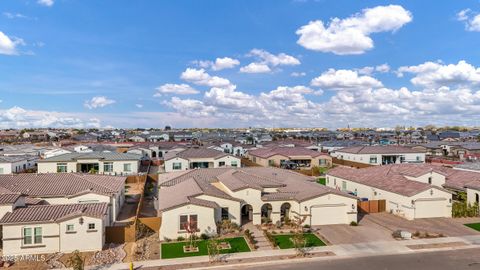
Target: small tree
(76,262)
(213,248)
(298,239)
(191,228)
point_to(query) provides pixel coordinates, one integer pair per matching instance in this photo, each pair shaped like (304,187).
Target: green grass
(283,241)
(175,250)
(475,226)
(322,181)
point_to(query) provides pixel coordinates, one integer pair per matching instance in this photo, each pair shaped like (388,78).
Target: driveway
(445,226)
(366,231)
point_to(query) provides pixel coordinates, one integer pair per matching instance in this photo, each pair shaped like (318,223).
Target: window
(61,167)
(221,164)
(127,167)
(373,159)
(1,171)
(29,238)
(70,228)
(430,180)
(108,167)
(225,215)
(186,220)
(177,165)
(91,226)
(418,158)
(344,185)
(476,197)
(233,163)
(271,162)
(322,162)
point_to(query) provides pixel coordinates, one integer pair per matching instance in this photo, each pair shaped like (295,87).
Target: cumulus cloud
(471,20)
(17,117)
(255,68)
(369,70)
(178,89)
(98,102)
(47,3)
(219,63)
(343,79)
(200,77)
(352,35)
(436,74)
(265,61)
(298,74)
(10,15)
(8,45)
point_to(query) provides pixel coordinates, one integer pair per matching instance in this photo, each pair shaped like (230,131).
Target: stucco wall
(171,221)
(118,166)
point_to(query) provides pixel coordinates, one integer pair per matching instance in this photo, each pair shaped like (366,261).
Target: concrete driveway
(445,226)
(366,231)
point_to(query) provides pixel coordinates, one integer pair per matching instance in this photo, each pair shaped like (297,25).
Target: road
(466,259)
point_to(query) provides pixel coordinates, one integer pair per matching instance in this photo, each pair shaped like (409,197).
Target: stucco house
(16,164)
(380,155)
(47,229)
(276,156)
(92,162)
(193,158)
(242,195)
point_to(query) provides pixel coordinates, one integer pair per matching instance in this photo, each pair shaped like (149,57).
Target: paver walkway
(262,241)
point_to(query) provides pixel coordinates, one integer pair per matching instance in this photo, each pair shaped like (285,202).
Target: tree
(298,239)
(191,228)
(213,247)
(76,262)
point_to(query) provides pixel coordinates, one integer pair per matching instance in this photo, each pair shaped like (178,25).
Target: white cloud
(280,59)
(383,68)
(178,89)
(369,70)
(200,77)
(139,105)
(8,46)
(298,74)
(47,3)
(352,35)
(10,15)
(344,80)
(219,63)
(436,74)
(255,68)
(471,20)
(17,117)
(98,102)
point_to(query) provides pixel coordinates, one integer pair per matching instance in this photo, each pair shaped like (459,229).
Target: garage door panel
(430,208)
(326,215)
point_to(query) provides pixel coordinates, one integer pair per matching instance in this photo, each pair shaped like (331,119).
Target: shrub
(306,226)
(166,239)
(204,236)
(353,223)
(180,238)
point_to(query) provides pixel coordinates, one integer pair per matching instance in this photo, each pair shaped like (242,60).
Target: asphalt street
(465,259)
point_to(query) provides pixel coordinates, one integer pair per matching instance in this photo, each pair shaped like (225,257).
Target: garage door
(329,214)
(430,208)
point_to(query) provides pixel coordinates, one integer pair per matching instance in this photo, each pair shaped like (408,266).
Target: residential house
(204,197)
(193,158)
(379,155)
(99,162)
(16,164)
(278,156)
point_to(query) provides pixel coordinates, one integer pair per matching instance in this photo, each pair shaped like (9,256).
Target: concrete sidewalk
(341,251)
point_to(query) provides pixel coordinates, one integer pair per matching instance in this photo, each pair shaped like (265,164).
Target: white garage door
(430,208)
(329,214)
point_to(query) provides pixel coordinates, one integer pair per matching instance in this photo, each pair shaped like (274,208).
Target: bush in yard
(180,238)
(76,262)
(204,236)
(353,223)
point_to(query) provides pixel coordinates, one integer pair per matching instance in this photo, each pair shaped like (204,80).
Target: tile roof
(387,149)
(191,153)
(108,156)
(60,184)
(9,198)
(285,151)
(54,213)
(182,188)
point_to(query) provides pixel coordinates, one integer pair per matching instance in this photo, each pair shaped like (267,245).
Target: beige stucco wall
(365,158)
(51,167)
(264,162)
(171,221)
(169,164)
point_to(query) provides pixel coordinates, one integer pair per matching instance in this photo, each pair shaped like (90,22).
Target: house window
(418,158)
(430,180)
(234,163)
(29,238)
(225,215)
(344,185)
(373,159)
(476,197)
(186,220)
(322,162)
(271,162)
(91,226)
(1,171)
(108,167)
(61,167)
(70,228)
(221,164)
(177,165)
(127,167)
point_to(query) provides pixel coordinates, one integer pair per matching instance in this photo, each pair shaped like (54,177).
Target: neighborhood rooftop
(192,153)
(108,156)
(284,151)
(387,149)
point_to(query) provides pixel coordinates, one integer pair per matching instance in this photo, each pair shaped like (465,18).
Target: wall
(169,164)
(365,158)
(91,240)
(51,167)
(227,160)
(233,207)
(171,226)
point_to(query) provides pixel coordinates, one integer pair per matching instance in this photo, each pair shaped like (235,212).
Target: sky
(267,63)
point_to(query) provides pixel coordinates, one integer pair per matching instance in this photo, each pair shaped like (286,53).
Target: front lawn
(322,181)
(475,226)
(175,250)
(284,241)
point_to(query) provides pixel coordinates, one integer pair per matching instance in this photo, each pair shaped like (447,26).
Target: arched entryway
(285,212)
(266,213)
(247,213)
(154,154)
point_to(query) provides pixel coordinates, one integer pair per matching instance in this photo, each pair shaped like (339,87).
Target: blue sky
(120,63)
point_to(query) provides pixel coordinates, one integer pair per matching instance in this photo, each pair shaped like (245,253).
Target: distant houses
(193,158)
